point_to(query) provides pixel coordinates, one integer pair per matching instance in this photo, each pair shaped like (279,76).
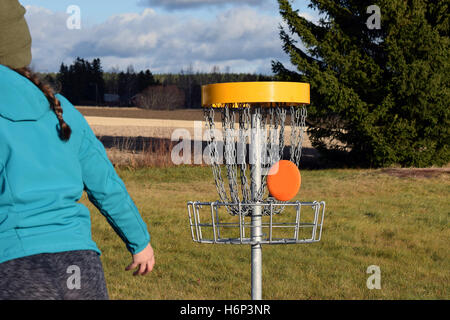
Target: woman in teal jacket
(48,156)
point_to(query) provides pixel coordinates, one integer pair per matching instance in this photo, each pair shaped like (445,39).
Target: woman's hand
(144,260)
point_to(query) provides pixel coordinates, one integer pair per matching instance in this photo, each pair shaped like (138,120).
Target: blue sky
(160,35)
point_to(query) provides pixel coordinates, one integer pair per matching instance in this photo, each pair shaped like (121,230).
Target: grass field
(400,224)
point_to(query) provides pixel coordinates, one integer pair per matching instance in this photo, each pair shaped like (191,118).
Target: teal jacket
(42,178)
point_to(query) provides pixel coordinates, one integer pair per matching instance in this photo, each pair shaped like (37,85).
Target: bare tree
(161,97)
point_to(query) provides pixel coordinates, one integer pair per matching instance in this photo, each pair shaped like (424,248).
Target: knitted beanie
(15,38)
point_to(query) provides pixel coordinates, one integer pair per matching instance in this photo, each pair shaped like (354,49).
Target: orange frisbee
(283,180)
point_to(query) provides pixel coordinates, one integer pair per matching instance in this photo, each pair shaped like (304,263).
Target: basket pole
(256,218)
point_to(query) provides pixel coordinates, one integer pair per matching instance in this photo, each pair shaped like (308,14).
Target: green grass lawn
(398,224)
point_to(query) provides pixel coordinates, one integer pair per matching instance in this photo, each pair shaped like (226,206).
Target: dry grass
(372,218)
(155,153)
(393,218)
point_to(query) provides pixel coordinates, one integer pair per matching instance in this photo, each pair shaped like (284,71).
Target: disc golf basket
(260,124)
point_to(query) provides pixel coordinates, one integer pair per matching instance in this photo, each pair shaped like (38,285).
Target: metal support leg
(256,219)
(256,272)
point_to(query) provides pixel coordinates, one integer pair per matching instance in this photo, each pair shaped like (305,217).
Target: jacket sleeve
(108,193)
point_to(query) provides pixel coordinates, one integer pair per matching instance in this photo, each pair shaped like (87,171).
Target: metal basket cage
(211,223)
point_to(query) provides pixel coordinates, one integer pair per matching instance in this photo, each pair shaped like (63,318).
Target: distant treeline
(85,83)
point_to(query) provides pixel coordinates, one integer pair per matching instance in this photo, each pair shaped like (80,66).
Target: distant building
(111,98)
(134,100)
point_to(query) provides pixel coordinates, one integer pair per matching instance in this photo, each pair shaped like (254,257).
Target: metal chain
(275,117)
(298,123)
(214,154)
(235,154)
(244,124)
(230,152)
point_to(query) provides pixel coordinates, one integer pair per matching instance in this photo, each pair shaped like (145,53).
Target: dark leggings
(69,275)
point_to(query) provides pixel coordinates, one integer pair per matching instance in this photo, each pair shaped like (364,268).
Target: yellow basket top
(266,93)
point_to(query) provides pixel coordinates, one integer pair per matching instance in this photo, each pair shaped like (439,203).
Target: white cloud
(241,38)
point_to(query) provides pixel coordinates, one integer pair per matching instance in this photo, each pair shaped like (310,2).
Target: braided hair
(55,105)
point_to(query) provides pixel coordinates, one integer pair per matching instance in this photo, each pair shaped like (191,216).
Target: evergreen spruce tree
(96,80)
(379,94)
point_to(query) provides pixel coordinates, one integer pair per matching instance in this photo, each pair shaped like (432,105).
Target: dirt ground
(126,132)
(136,113)
(417,172)
(159,128)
